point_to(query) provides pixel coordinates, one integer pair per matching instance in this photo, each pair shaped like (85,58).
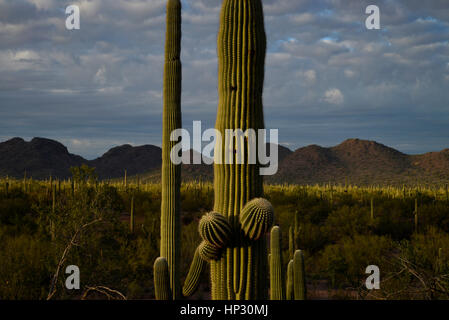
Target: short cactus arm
(161,279)
(193,277)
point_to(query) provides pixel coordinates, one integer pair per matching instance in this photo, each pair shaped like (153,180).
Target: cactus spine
(241,271)
(171,173)
(299,276)
(276,274)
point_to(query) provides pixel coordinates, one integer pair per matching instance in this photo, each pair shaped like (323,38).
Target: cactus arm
(193,277)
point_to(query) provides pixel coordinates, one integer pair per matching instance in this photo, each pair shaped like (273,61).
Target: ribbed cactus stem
(208,251)
(372,208)
(290,287)
(53,212)
(241,59)
(161,279)
(277,291)
(256,218)
(299,276)
(193,277)
(291,242)
(171,174)
(416,215)
(215,229)
(131,217)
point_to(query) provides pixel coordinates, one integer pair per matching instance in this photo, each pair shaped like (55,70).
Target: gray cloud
(327,77)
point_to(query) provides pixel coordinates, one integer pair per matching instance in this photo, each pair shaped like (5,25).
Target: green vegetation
(333,229)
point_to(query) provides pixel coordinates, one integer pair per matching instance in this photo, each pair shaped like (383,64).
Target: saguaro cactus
(241,272)
(161,279)
(299,276)
(277,291)
(171,173)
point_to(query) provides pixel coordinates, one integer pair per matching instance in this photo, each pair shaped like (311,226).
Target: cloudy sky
(328,78)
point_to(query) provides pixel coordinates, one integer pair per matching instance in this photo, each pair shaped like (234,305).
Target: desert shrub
(345,262)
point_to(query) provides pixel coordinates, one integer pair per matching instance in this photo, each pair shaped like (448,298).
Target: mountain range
(361,162)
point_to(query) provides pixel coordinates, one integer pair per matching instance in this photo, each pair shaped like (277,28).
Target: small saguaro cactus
(299,276)
(291,242)
(131,216)
(161,279)
(277,291)
(372,209)
(416,215)
(290,293)
(171,173)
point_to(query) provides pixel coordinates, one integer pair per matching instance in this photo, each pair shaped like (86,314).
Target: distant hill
(359,161)
(40,158)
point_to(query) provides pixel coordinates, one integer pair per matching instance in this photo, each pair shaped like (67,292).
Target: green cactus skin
(299,276)
(171,173)
(257,218)
(290,287)
(193,277)
(131,217)
(241,58)
(208,251)
(161,279)
(277,291)
(215,229)
(291,242)
(416,215)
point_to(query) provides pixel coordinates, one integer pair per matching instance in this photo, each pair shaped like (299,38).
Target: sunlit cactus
(171,173)
(161,279)
(256,218)
(241,272)
(215,229)
(208,251)
(277,286)
(289,294)
(299,276)
(193,277)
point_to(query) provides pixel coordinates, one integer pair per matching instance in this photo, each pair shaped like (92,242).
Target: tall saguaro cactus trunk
(171,173)
(241,272)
